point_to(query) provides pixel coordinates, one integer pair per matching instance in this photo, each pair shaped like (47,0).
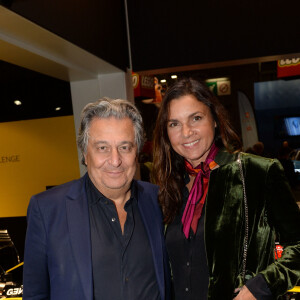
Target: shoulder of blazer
(147,195)
(147,187)
(58,193)
(148,190)
(224,158)
(259,162)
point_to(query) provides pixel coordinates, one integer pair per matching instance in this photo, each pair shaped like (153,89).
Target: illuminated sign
(288,67)
(219,86)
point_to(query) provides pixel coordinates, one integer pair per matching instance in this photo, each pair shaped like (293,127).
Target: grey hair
(106,108)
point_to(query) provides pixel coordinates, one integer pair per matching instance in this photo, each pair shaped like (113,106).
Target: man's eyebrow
(127,142)
(100,142)
(120,144)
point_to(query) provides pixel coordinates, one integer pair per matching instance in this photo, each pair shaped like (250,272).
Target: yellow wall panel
(34,154)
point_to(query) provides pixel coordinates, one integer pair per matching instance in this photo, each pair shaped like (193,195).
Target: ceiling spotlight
(17,102)
(174,76)
(58,108)
(163,80)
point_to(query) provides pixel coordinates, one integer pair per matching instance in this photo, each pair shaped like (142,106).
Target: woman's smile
(191,144)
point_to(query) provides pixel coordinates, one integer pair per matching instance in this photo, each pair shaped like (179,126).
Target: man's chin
(115,185)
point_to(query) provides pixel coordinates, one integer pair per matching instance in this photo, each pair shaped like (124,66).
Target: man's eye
(125,148)
(102,148)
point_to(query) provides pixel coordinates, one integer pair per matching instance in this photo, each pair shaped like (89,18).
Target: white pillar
(113,85)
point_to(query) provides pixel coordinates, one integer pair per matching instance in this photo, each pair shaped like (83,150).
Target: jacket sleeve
(284,216)
(35,271)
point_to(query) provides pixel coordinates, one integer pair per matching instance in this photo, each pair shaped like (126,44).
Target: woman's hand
(244,294)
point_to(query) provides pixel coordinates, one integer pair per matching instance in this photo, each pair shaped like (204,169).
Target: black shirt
(122,263)
(188,259)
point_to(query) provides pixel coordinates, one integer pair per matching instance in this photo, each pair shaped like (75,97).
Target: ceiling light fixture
(217,79)
(17,102)
(174,76)
(163,80)
(58,108)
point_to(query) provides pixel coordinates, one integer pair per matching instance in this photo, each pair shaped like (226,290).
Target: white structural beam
(28,45)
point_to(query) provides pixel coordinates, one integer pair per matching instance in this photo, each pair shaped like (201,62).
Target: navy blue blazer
(58,263)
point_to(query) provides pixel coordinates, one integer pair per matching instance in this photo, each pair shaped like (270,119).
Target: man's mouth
(115,172)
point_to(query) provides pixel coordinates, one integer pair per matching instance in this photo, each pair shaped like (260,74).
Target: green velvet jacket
(272,211)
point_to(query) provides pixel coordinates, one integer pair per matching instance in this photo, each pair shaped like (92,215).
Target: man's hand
(244,294)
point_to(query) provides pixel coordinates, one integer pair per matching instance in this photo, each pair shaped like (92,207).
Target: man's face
(111,154)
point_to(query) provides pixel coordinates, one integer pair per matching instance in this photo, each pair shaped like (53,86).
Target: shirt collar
(98,196)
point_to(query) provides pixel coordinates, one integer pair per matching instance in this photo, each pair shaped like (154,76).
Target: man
(99,237)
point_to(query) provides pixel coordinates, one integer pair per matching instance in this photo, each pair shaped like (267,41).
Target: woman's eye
(173,124)
(197,118)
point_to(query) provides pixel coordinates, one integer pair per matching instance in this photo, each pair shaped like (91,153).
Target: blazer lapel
(149,217)
(224,222)
(79,230)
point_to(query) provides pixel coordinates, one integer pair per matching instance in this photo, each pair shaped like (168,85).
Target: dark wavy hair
(168,166)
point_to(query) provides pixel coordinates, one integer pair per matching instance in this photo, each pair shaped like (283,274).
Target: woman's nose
(186,130)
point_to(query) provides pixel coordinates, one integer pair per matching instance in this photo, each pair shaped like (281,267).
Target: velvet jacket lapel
(79,230)
(224,225)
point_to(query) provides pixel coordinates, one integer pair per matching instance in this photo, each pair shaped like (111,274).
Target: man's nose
(115,158)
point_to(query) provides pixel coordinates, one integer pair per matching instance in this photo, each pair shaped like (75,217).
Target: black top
(122,263)
(188,258)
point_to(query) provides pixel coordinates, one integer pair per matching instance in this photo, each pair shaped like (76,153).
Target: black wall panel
(39,94)
(170,33)
(97,26)
(173,33)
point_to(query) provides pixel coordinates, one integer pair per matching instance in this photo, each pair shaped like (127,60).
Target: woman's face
(191,128)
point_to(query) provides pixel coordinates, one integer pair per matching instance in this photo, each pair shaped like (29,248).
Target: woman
(220,239)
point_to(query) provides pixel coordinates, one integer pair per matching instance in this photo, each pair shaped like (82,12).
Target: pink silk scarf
(193,208)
